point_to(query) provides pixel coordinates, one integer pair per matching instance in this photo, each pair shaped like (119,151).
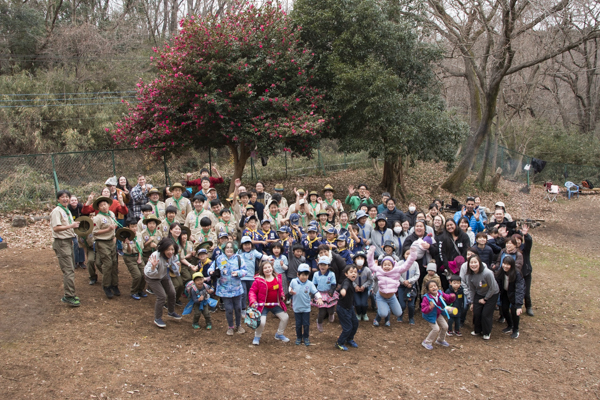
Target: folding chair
(551,193)
(572,189)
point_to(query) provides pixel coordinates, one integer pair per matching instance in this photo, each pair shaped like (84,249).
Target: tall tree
(487,37)
(241,81)
(379,81)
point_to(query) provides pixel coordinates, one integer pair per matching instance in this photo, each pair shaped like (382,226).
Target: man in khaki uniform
(183,205)
(105,224)
(62,225)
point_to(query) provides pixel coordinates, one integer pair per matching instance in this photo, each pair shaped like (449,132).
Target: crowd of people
(253,253)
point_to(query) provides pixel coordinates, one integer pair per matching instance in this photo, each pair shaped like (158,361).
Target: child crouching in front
(196,291)
(301,289)
(432,306)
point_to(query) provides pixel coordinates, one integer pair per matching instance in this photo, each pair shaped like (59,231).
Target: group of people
(253,253)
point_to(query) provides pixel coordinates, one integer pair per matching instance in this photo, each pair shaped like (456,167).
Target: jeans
(349,324)
(404,302)
(247,285)
(361,302)
(509,311)
(79,252)
(163,290)
(483,314)
(385,305)
(233,304)
(279,313)
(302,324)
(454,320)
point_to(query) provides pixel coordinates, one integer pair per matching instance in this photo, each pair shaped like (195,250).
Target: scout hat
(328,188)
(313,192)
(279,187)
(322,212)
(153,191)
(203,245)
(197,275)
(177,185)
(125,233)
(151,218)
(86,226)
(101,199)
(187,231)
(301,192)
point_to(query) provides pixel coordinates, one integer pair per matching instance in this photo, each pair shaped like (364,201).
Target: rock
(3,245)
(19,221)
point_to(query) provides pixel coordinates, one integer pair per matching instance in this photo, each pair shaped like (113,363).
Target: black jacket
(447,249)
(460,299)
(486,254)
(393,216)
(411,218)
(526,251)
(516,289)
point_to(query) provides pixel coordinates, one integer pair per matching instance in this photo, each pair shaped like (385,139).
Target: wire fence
(32,180)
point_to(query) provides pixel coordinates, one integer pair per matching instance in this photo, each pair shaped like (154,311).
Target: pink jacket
(258,292)
(448,298)
(389,281)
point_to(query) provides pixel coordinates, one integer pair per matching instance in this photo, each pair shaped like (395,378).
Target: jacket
(411,218)
(435,278)
(431,313)
(411,275)
(258,292)
(476,225)
(526,250)
(486,254)
(355,201)
(516,288)
(484,284)
(387,281)
(228,285)
(459,301)
(518,260)
(447,250)
(293,263)
(163,266)
(378,238)
(364,277)
(393,216)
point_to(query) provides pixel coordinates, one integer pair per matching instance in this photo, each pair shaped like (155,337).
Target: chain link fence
(31,181)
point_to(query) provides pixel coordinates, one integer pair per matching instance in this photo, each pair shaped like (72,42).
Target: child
(432,305)
(301,290)
(146,212)
(170,218)
(355,243)
(362,285)
(311,247)
(345,313)
(197,291)
(431,276)
(325,282)
(285,240)
(295,260)
(182,204)
(226,224)
(459,303)
(194,218)
(280,265)
(205,233)
(249,257)
(106,252)
(269,235)
(343,251)
(389,250)
(484,251)
(512,292)
(388,280)
(407,292)
(133,260)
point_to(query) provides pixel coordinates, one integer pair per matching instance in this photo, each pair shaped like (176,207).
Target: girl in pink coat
(433,308)
(266,295)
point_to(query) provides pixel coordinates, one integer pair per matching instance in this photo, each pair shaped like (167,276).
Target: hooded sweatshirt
(482,283)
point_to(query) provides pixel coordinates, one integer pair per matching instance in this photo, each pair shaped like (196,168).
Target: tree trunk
(483,170)
(496,179)
(393,178)
(240,153)
(496,134)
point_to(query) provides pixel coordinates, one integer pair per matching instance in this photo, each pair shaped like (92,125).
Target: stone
(19,221)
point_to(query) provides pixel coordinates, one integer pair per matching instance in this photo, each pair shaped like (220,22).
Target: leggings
(324,312)
(233,304)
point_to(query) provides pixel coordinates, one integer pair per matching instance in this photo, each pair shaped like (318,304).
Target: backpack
(587,184)
(252,318)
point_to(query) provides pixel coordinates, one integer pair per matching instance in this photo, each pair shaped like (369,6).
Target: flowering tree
(239,80)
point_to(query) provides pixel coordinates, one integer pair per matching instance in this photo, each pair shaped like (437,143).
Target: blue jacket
(476,226)
(228,285)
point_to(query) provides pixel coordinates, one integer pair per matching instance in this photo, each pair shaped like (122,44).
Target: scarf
(197,214)
(275,222)
(110,216)
(155,204)
(66,210)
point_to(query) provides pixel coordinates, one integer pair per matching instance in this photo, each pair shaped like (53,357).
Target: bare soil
(111,348)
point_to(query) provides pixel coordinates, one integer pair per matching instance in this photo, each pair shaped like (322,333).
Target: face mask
(411,209)
(360,262)
(397,230)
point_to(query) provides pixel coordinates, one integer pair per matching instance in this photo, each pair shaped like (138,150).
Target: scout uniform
(271,234)
(193,220)
(63,247)
(158,207)
(230,228)
(311,249)
(184,250)
(131,253)
(140,225)
(164,226)
(333,203)
(183,205)
(279,189)
(90,254)
(147,237)
(202,236)
(105,245)
(315,207)
(275,220)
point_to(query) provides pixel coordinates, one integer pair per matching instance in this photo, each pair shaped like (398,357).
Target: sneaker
(142,294)
(319,326)
(365,317)
(93,281)
(450,333)
(178,303)
(282,338)
(160,323)
(241,330)
(375,322)
(208,327)
(120,252)
(108,292)
(149,291)
(475,333)
(82,266)
(341,347)
(229,331)
(411,321)
(307,342)
(359,317)
(457,333)
(195,326)
(221,307)
(72,301)
(486,337)
(442,343)
(174,315)
(387,323)
(135,296)
(288,302)
(427,346)
(515,335)
(352,343)
(332,318)
(165,306)
(529,312)
(115,290)
(507,330)
(256,341)
(399,319)
(299,342)
(212,310)
(502,320)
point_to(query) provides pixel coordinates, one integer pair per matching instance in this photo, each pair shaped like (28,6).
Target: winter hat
(432,266)
(427,239)
(388,258)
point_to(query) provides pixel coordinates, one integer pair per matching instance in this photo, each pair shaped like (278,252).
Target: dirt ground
(111,348)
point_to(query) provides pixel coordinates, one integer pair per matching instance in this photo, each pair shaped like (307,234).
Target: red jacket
(258,292)
(198,182)
(119,211)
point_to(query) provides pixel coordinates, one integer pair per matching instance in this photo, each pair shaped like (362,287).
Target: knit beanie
(388,258)
(432,266)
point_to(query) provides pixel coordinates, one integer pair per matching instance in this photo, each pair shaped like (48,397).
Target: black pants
(509,311)
(444,280)
(349,324)
(527,291)
(483,314)
(302,324)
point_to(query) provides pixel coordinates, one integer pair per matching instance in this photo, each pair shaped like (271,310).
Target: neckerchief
(303,216)
(155,204)
(197,214)
(110,216)
(275,222)
(310,242)
(328,203)
(151,233)
(177,202)
(69,215)
(345,227)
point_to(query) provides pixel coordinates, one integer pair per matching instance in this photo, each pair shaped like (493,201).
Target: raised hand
(188,176)
(238,183)
(351,190)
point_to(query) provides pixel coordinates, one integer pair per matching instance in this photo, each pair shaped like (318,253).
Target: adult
(139,194)
(419,233)
(527,268)
(227,270)
(411,214)
(499,219)
(512,250)
(384,198)
(259,208)
(438,227)
(453,243)
(205,173)
(483,292)
(156,271)
(266,295)
(183,205)
(472,215)
(63,225)
(500,204)
(512,290)
(262,197)
(328,193)
(117,207)
(433,212)
(116,194)
(158,207)
(176,278)
(392,213)
(124,186)
(354,201)
(75,208)
(372,213)
(421,217)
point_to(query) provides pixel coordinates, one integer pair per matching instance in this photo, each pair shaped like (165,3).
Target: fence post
(167,178)
(113,161)
(286,172)
(529,163)
(56,187)
(321,162)
(209,162)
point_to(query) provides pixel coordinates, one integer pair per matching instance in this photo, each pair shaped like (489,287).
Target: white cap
(302,201)
(500,204)
(111,181)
